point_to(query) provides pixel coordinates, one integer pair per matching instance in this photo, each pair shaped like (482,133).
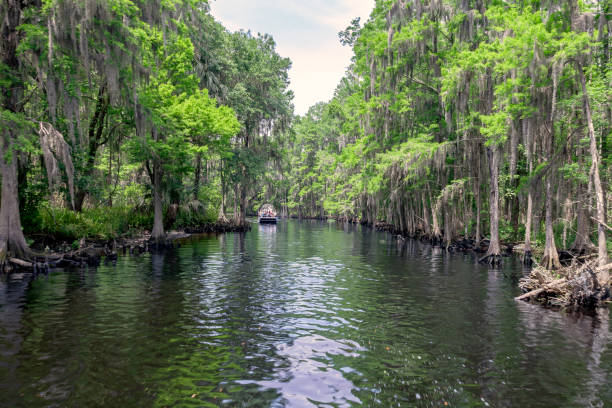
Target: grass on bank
(106,223)
(94,223)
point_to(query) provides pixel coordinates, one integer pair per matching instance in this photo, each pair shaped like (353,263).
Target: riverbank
(575,285)
(49,251)
(579,283)
(456,244)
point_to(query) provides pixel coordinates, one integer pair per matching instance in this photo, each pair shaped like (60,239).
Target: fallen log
(605,268)
(553,285)
(22,263)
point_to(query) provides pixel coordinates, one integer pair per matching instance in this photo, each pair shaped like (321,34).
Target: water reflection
(298,314)
(12,293)
(587,334)
(308,379)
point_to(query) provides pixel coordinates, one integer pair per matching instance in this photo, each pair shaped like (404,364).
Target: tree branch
(601,223)
(429,87)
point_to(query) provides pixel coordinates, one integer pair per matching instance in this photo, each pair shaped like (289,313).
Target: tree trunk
(22,180)
(582,242)
(493,255)
(222,217)
(436,233)
(529,216)
(604,276)
(426,225)
(96,128)
(237,200)
(478,232)
(567,209)
(158,234)
(528,221)
(243,206)
(466,216)
(12,241)
(512,207)
(550,260)
(448,229)
(197,176)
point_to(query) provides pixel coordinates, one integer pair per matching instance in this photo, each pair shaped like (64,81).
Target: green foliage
(31,199)
(98,223)
(194,215)
(432,86)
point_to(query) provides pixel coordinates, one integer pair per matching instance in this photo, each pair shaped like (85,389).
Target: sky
(306,31)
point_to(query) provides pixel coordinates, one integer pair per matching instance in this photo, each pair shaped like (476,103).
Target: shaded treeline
(467,119)
(148,106)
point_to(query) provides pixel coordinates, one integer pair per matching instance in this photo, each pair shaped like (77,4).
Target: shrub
(96,223)
(194,214)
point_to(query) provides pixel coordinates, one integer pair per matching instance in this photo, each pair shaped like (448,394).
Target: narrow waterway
(299,314)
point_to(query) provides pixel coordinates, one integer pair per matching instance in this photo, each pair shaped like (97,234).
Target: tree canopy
(481,121)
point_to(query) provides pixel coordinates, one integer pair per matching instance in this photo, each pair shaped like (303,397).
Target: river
(300,314)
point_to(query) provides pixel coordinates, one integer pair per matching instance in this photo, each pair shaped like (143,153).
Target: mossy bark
(493,255)
(158,234)
(12,240)
(604,275)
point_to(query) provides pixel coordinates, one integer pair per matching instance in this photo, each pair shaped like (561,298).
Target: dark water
(298,315)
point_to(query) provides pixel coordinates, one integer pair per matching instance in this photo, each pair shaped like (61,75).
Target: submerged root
(159,242)
(494,260)
(574,286)
(527,258)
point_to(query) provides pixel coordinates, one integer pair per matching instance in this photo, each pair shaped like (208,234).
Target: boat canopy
(267,209)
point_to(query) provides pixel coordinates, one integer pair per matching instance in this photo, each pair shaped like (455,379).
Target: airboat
(267,214)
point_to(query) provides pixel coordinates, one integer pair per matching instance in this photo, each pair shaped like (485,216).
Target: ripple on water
(296,315)
(307,379)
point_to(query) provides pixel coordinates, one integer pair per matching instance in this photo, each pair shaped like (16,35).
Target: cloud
(306,32)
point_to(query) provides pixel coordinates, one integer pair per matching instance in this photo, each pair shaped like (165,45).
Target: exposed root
(220,227)
(3,254)
(44,262)
(91,254)
(550,261)
(572,286)
(16,257)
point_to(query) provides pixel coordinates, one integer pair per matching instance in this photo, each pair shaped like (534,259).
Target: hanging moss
(55,151)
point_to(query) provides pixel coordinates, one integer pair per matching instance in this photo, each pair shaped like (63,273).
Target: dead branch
(22,263)
(555,285)
(602,223)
